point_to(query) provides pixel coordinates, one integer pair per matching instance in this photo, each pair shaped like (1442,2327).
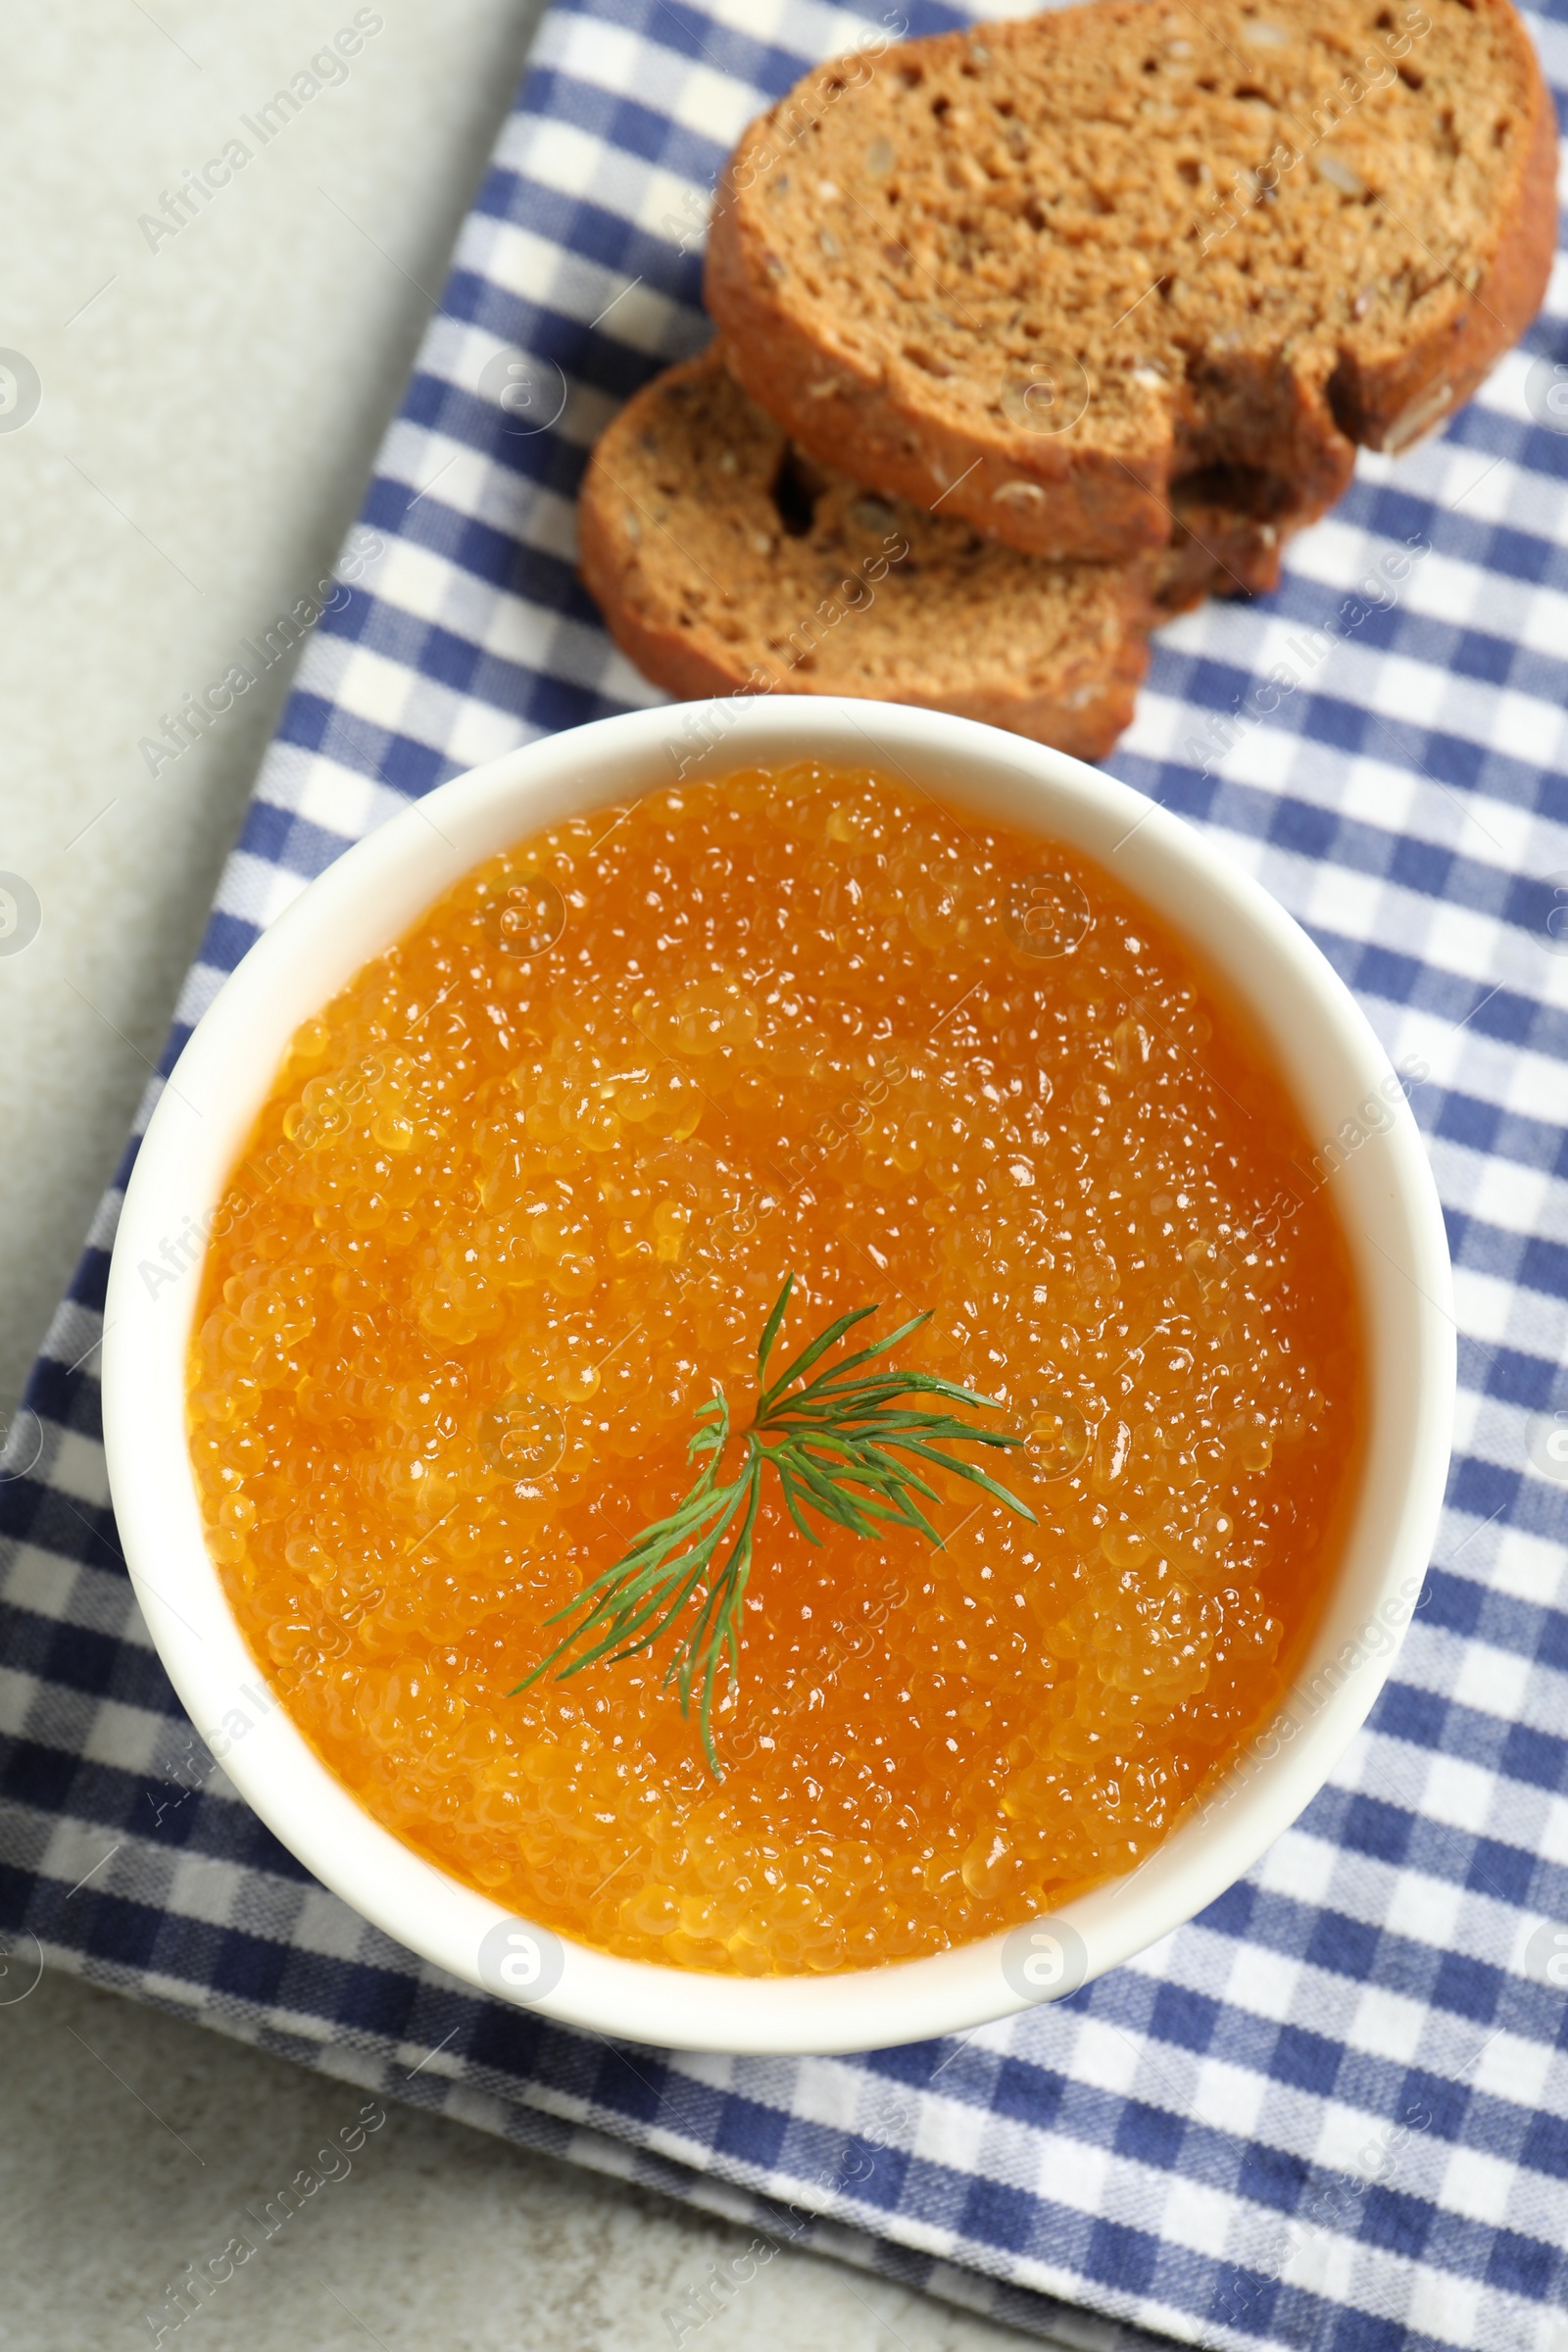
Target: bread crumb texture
(1100,250)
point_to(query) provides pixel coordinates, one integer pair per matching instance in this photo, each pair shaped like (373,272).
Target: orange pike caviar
(526,1189)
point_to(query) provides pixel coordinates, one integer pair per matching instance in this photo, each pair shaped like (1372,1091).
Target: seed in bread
(1048,270)
(723,562)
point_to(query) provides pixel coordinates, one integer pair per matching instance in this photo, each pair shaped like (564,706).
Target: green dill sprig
(832,1444)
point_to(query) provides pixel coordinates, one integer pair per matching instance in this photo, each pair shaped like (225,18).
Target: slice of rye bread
(724,564)
(1051,268)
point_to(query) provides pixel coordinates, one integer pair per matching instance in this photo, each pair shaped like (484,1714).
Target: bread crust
(1050,502)
(1294,413)
(1391,408)
(632,559)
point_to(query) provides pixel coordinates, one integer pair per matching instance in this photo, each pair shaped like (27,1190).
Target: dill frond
(835,1443)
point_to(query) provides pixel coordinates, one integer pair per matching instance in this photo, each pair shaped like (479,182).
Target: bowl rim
(184,1167)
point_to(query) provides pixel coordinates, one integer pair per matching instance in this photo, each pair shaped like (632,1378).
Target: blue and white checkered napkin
(1333,2111)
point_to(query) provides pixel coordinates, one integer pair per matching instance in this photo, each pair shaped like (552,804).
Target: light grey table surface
(209,412)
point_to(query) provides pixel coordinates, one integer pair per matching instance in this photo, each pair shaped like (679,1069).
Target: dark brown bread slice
(1050,269)
(725,563)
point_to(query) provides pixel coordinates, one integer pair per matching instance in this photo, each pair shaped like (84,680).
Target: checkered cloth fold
(1333,2109)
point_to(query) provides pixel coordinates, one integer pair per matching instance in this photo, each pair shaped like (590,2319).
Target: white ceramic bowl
(1343,1084)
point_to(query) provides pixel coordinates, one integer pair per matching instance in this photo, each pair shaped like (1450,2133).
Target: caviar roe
(527,1188)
